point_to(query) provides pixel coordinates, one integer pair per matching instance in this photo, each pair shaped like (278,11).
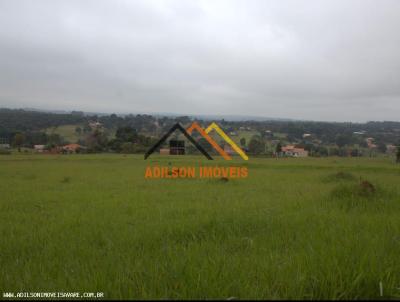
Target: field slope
(296,228)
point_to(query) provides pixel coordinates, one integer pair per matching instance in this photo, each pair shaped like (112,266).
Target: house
(391,149)
(72,148)
(4,146)
(370,143)
(179,146)
(292,151)
(39,148)
(305,135)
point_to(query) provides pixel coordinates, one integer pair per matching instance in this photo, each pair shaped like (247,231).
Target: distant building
(39,148)
(305,135)
(4,146)
(292,151)
(268,134)
(370,143)
(72,148)
(391,149)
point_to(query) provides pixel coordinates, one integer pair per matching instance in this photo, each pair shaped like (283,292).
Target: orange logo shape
(196,126)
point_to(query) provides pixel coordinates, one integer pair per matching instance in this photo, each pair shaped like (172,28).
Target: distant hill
(206,117)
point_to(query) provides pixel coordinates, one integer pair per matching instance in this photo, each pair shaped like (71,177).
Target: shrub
(364,189)
(127,148)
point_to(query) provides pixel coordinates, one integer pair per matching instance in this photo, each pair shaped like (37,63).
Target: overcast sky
(319,60)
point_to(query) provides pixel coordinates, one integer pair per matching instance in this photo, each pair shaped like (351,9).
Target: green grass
(247,135)
(291,230)
(67,132)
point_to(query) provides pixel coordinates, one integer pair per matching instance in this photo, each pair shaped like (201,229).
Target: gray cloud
(311,59)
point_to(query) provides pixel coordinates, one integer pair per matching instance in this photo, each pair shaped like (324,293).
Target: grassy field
(66,131)
(295,228)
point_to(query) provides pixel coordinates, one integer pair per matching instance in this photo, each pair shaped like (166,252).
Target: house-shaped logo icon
(177,147)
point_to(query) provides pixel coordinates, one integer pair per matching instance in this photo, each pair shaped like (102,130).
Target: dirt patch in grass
(362,195)
(364,189)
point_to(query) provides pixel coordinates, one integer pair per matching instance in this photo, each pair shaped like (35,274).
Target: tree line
(135,133)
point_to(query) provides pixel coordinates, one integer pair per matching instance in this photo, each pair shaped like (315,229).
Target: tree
(184,120)
(355,153)
(278,148)
(18,140)
(333,151)
(36,138)
(382,147)
(243,141)
(127,147)
(78,130)
(126,134)
(343,152)
(55,139)
(309,147)
(96,141)
(343,140)
(86,128)
(322,151)
(363,144)
(256,146)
